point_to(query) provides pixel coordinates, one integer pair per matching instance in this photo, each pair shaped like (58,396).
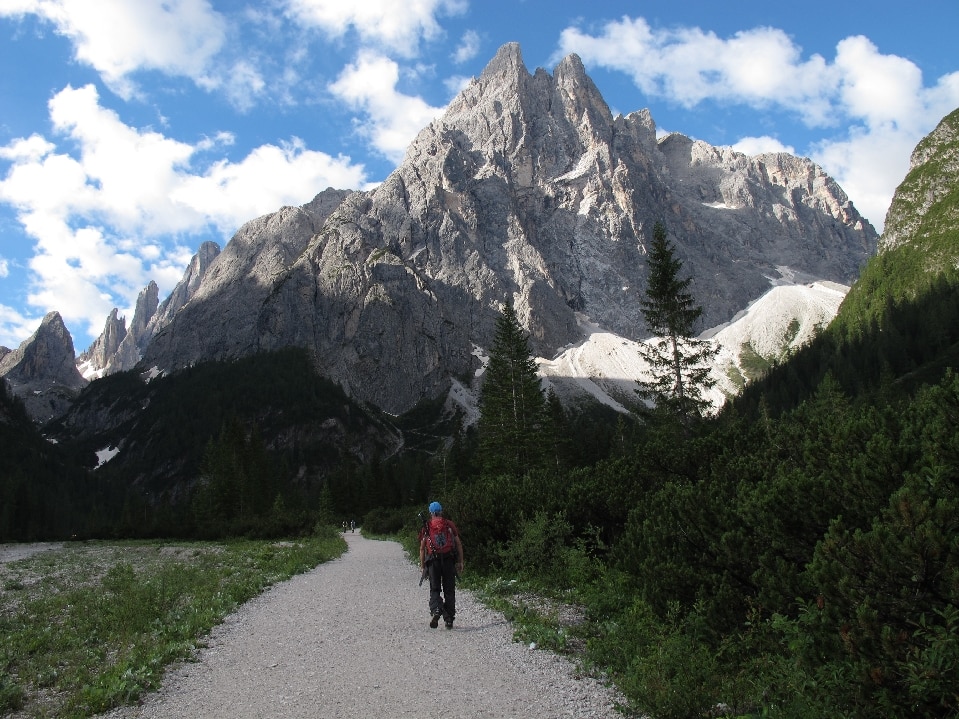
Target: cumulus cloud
(689,65)
(116,212)
(14,327)
(393,119)
(468,48)
(876,105)
(396,26)
(118,37)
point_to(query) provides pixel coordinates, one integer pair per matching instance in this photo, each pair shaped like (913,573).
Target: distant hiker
(441,554)
(352,525)
(344,526)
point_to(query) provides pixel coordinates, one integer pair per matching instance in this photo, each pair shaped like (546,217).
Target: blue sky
(133,130)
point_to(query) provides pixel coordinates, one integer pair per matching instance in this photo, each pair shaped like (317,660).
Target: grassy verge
(92,626)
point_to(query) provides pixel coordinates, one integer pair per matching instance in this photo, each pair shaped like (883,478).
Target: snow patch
(462,397)
(483,356)
(106,454)
(607,366)
(586,162)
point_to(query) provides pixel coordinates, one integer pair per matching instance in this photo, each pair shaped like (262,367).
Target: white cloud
(394,119)
(4,267)
(398,26)
(14,327)
(689,65)
(118,37)
(228,192)
(876,103)
(113,215)
(454,84)
(468,48)
(758,145)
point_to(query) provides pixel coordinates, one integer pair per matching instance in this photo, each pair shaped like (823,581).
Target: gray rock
(43,372)
(116,349)
(527,189)
(99,357)
(931,180)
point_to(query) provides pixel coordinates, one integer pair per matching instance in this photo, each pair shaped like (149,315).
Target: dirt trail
(351,639)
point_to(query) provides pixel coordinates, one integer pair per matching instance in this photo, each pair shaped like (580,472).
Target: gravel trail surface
(351,639)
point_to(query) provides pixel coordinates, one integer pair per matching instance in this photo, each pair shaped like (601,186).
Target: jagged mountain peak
(526,189)
(42,371)
(506,62)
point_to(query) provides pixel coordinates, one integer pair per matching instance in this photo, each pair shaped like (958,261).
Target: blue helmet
(435,507)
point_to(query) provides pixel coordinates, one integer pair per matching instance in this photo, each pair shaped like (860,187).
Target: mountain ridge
(527,189)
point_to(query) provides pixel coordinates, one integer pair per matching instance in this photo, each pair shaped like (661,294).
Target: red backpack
(440,536)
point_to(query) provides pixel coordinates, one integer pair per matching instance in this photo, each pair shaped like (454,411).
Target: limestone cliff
(526,189)
(42,370)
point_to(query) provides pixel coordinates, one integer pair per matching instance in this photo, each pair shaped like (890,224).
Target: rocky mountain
(116,349)
(43,370)
(99,358)
(527,189)
(919,249)
(926,203)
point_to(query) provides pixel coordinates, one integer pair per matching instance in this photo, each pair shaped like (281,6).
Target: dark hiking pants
(443,576)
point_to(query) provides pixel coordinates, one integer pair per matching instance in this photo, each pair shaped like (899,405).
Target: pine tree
(511,403)
(678,362)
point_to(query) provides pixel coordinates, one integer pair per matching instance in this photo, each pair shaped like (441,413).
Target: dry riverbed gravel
(351,639)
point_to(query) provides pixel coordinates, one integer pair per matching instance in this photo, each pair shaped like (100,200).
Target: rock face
(118,350)
(43,371)
(926,203)
(528,190)
(98,360)
(184,291)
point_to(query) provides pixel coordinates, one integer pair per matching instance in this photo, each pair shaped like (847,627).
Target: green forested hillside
(43,490)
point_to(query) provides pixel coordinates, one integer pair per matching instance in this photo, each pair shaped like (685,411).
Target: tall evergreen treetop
(512,405)
(679,363)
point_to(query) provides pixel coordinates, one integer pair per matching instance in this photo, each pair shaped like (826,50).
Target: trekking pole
(423,533)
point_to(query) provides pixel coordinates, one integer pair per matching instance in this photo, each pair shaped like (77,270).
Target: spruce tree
(512,405)
(678,362)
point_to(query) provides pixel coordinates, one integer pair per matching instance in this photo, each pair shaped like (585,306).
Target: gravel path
(351,639)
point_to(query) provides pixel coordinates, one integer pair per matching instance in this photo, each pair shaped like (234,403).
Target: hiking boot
(435,621)
(449,624)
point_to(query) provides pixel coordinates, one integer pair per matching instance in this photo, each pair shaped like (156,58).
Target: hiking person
(441,554)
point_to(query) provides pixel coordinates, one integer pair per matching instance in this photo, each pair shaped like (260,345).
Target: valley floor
(351,639)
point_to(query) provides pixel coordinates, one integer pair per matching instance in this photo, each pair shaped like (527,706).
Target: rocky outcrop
(131,348)
(42,371)
(118,350)
(527,189)
(926,203)
(98,358)
(184,291)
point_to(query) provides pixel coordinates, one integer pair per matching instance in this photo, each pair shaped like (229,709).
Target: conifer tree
(512,404)
(678,362)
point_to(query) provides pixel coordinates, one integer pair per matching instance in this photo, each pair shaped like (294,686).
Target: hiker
(441,554)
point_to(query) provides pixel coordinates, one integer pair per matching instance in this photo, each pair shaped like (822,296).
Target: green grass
(94,625)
